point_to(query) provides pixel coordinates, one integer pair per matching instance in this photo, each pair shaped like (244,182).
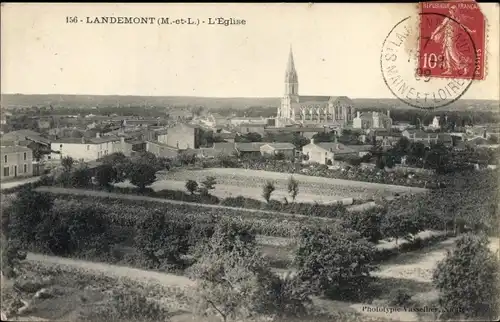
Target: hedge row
(126,212)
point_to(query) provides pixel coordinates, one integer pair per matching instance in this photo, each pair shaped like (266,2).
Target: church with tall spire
(334,111)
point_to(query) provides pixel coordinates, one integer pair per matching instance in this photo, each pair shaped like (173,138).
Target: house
(181,136)
(249,149)
(226,137)
(236,121)
(435,123)
(161,150)
(428,138)
(16,162)
(386,137)
(420,136)
(226,148)
(362,150)
(38,144)
(325,152)
(372,120)
(305,131)
(272,149)
(89,149)
(252,128)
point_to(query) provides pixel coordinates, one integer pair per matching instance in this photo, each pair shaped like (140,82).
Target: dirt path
(115,270)
(419,265)
(98,193)
(13,184)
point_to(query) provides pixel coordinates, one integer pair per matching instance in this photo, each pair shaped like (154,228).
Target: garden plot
(308,185)
(226,191)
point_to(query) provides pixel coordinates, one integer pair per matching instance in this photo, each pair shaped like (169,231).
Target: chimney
(389,113)
(98,135)
(358,114)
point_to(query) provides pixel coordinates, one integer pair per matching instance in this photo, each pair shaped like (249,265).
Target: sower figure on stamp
(446,34)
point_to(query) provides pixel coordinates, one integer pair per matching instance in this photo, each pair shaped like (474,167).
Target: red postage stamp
(452,40)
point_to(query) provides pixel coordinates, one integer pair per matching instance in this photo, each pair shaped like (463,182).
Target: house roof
(224,146)
(87,140)
(163,145)
(225,135)
(385,133)
(250,147)
(369,115)
(14,149)
(295,129)
(26,134)
(281,146)
(334,147)
(421,134)
(359,148)
(252,125)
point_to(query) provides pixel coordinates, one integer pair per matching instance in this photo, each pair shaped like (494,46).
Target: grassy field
(315,188)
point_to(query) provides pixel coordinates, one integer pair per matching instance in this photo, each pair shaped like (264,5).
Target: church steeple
(291,79)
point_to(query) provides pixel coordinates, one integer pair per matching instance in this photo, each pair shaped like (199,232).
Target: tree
(367,223)
(142,175)
(191,186)
(81,177)
(25,211)
(267,190)
(11,251)
(67,163)
(207,185)
(468,280)
(235,281)
(293,188)
(334,261)
(72,228)
(402,224)
(159,239)
(120,163)
(106,175)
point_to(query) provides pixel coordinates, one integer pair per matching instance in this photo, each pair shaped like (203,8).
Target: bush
(191,186)
(338,262)
(160,240)
(128,307)
(72,230)
(367,223)
(468,280)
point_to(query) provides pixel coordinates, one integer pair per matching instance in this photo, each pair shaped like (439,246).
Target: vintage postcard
(250,162)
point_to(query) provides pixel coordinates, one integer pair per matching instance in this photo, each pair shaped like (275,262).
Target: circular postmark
(415,60)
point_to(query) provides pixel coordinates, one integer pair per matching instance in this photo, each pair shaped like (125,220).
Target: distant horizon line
(217,97)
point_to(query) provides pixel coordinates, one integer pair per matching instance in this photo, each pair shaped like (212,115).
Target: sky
(336,50)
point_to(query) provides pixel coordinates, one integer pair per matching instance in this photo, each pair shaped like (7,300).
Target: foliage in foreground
(338,262)
(235,280)
(468,280)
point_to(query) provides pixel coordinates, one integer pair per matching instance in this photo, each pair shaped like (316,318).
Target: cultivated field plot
(317,188)
(226,191)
